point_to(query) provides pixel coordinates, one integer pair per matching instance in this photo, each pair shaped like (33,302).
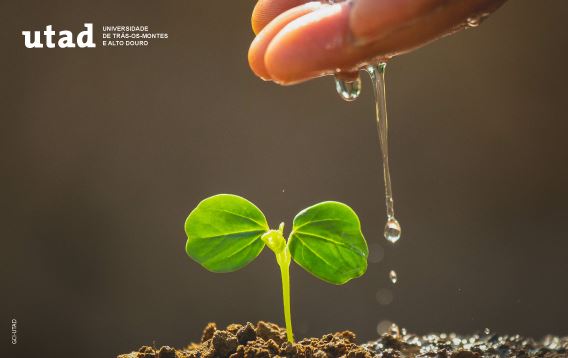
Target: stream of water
(349,90)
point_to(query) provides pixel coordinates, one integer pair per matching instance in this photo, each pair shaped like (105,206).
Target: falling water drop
(392,230)
(393,276)
(487,331)
(348,89)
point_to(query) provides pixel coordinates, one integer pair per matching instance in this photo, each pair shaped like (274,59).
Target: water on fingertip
(475,21)
(348,89)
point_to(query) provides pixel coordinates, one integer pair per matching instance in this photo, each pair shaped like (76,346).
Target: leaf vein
(313,251)
(263,225)
(248,245)
(230,234)
(319,221)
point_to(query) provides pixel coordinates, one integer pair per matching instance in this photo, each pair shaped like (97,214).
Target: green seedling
(226,232)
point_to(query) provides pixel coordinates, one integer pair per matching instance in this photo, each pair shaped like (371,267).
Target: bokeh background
(104,152)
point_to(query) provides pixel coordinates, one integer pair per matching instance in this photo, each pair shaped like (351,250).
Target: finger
(372,18)
(267,10)
(310,46)
(260,43)
(329,38)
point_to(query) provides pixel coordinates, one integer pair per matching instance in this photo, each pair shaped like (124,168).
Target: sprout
(226,232)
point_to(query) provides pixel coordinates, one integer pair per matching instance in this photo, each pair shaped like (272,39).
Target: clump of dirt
(263,340)
(267,340)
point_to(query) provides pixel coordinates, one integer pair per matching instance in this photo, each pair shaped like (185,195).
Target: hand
(298,40)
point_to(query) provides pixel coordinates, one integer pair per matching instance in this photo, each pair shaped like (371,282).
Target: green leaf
(224,231)
(326,240)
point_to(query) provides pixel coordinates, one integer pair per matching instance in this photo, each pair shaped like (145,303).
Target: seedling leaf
(326,240)
(224,233)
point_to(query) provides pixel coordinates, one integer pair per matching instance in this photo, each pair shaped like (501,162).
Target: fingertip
(259,16)
(257,50)
(256,59)
(310,46)
(267,10)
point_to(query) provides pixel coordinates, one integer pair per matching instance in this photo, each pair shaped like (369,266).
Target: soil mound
(267,340)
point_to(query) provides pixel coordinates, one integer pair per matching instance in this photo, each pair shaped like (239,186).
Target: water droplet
(487,331)
(393,276)
(403,331)
(392,230)
(349,90)
(473,21)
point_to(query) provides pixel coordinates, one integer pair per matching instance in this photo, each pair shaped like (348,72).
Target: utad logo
(84,38)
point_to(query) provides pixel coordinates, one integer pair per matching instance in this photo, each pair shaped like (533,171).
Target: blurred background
(104,152)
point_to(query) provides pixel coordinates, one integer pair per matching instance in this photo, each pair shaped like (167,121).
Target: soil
(266,340)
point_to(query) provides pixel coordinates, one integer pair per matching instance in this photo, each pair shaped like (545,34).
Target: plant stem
(274,239)
(284,262)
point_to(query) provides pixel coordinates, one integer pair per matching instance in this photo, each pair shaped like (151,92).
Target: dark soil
(265,340)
